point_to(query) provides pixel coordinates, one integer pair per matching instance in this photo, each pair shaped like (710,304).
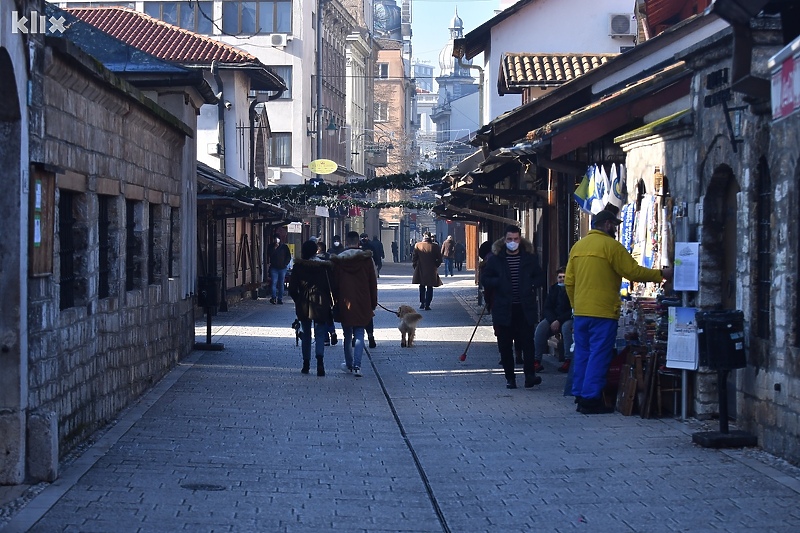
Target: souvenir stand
(647,233)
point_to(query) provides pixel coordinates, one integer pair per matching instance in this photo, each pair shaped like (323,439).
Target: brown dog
(408,324)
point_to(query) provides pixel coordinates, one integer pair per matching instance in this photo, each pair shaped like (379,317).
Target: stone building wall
(89,360)
(767,389)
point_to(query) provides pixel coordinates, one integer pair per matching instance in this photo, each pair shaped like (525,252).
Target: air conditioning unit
(273,174)
(278,40)
(622,24)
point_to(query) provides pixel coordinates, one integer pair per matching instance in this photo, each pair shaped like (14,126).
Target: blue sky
(430,21)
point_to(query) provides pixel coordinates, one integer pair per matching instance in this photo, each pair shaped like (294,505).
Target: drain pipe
(480,89)
(220,117)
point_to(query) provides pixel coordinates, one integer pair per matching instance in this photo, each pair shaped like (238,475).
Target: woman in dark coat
(310,289)
(426,259)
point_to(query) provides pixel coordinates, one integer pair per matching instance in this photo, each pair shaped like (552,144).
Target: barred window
(764,257)
(174,240)
(153,244)
(133,246)
(104,246)
(66,241)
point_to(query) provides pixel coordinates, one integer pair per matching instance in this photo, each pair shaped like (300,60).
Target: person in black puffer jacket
(310,288)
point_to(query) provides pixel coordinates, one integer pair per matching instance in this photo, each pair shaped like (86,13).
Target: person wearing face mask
(597,263)
(337,247)
(513,274)
(557,319)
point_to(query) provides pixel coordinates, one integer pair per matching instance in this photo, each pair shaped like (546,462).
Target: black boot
(372,343)
(320,367)
(305,368)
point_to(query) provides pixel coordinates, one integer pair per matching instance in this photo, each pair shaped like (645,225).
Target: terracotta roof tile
(160,39)
(525,70)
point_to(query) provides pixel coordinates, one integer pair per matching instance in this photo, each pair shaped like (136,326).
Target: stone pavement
(240,441)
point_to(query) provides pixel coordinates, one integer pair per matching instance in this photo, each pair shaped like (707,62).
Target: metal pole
(318,125)
(684,303)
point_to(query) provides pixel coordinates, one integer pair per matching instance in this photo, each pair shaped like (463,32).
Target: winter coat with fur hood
(496,276)
(355,286)
(310,289)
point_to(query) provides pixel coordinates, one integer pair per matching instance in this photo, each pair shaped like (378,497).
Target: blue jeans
(320,333)
(594,348)
(448,266)
(543,333)
(352,354)
(278,276)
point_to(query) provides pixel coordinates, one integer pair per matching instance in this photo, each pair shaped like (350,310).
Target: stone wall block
(43,446)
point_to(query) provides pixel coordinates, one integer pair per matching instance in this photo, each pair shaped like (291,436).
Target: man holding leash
(513,274)
(597,263)
(355,288)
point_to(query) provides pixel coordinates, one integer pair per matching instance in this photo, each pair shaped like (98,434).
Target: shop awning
(216,191)
(619,109)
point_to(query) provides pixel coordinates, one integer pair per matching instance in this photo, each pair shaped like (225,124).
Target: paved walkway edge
(39,505)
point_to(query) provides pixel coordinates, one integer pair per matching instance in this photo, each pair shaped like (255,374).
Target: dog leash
(385,309)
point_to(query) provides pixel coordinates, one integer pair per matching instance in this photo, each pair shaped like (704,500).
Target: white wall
(463,116)
(549,26)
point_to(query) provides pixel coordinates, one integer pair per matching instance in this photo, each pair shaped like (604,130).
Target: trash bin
(721,339)
(209,291)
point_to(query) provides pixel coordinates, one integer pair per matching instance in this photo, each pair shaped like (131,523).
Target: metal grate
(131,247)
(66,239)
(764,257)
(151,245)
(171,247)
(104,246)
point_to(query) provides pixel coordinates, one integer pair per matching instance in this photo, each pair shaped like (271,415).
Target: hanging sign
(323,166)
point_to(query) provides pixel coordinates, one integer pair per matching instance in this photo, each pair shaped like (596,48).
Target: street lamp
(315,121)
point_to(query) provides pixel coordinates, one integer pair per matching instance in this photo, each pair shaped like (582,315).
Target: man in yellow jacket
(597,263)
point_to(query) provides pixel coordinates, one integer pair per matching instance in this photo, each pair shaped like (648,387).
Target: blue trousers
(320,332)
(278,277)
(594,349)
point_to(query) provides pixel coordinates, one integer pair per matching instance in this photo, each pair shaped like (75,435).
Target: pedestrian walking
(378,255)
(355,288)
(395,252)
(597,263)
(279,259)
(461,255)
(337,247)
(449,255)
(557,320)
(513,274)
(311,290)
(426,259)
(330,338)
(366,244)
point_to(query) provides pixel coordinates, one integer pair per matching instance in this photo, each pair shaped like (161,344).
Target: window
(381,112)
(154,244)
(285,72)
(764,257)
(104,246)
(280,150)
(133,246)
(192,16)
(249,18)
(382,70)
(66,241)
(174,240)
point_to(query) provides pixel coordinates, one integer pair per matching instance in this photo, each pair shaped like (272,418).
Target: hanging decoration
(317,192)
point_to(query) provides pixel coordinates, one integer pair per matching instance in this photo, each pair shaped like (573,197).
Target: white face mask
(336,243)
(512,246)
(277,241)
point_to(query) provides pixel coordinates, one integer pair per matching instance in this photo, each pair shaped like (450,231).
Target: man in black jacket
(557,319)
(279,258)
(513,273)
